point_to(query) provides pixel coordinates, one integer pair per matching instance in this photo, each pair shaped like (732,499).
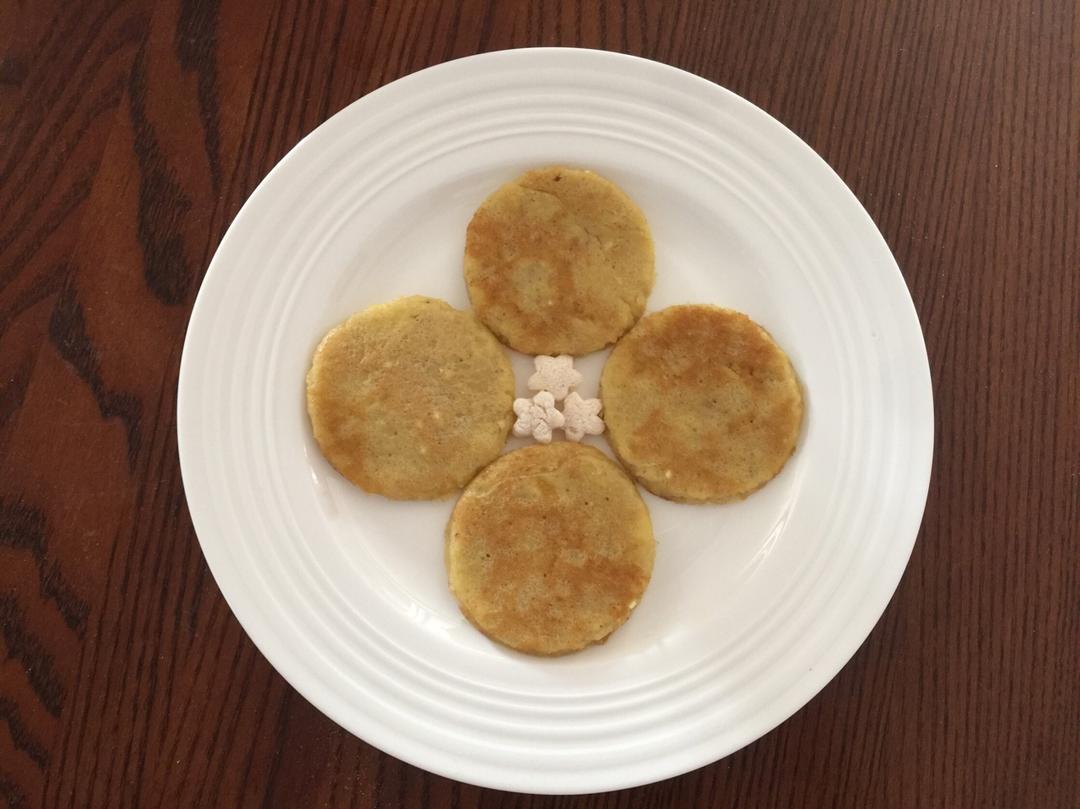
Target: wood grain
(131,133)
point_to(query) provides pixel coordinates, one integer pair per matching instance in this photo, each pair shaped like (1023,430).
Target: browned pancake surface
(550,548)
(409,399)
(558,261)
(701,404)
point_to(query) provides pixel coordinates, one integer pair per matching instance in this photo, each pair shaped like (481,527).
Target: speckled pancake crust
(559,261)
(409,399)
(701,405)
(550,548)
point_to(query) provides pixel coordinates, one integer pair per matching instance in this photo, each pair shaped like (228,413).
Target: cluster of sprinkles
(554,381)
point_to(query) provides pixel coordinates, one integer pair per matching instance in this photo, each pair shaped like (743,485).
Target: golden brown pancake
(700,404)
(550,548)
(409,399)
(559,261)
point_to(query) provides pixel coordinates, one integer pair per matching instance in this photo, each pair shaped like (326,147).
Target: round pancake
(559,261)
(550,548)
(700,404)
(409,399)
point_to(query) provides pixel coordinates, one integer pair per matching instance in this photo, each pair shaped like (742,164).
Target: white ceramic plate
(752,608)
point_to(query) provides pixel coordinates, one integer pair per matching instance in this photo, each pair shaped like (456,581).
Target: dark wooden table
(130,135)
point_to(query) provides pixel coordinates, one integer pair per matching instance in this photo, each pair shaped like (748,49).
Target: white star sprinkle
(555,374)
(537,417)
(581,417)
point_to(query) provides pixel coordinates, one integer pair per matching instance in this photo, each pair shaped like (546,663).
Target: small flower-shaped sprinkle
(581,417)
(555,374)
(537,417)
